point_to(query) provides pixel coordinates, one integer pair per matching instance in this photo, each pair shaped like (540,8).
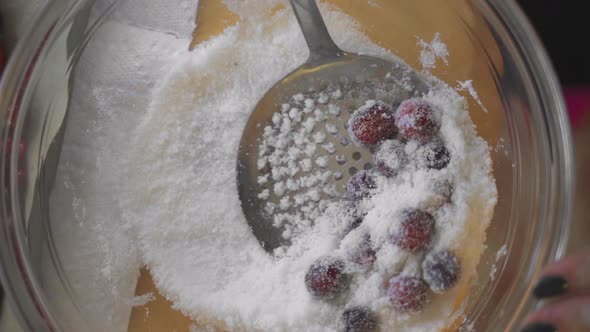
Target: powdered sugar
(180,193)
(290,147)
(142,299)
(431,52)
(501,253)
(468,86)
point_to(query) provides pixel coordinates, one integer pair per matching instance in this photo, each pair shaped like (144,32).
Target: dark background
(564,27)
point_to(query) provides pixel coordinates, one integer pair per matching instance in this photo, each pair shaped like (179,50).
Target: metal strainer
(332,77)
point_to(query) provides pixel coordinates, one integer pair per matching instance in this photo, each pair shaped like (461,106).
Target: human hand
(566,287)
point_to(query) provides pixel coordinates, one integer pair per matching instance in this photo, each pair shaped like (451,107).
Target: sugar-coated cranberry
(372,123)
(434,155)
(414,231)
(408,294)
(359,319)
(361,184)
(443,191)
(352,215)
(390,157)
(441,270)
(415,119)
(326,279)
(363,253)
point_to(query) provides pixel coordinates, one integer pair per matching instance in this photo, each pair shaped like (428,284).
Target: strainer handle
(314,30)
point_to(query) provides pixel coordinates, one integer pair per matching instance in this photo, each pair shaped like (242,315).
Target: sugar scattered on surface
(503,251)
(468,86)
(294,147)
(431,52)
(140,300)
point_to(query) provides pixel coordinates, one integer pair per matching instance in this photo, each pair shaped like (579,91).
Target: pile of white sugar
(180,197)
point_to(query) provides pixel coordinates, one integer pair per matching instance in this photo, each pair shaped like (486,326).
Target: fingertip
(550,286)
(569,314)
(568,275)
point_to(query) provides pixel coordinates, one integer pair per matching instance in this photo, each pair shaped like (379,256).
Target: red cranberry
(415,120)
(361,184)
(434,155)
(414,231)
(363,254)
(372,123)
(390,157)
(359,319)
(325,279)
(441,270)
(408,294)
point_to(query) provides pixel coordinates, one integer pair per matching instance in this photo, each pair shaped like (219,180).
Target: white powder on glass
(468,86)
(140,300)
(432,51)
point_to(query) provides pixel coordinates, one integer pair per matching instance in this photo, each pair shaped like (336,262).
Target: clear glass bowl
(489,41)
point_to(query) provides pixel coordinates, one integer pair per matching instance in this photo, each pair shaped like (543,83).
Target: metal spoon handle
(314,30)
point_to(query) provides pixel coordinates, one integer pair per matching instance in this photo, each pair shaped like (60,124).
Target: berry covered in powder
(356,222)
(363,253)
(361,184)
(408,294)
(355,217)
(415,119)
(414,231)
(434,155)
(372,123)
(359,319)
(390,157)
(325,279)
(441,270)
(443,191)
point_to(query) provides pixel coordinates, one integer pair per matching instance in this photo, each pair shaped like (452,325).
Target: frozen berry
(443,190)
(415,119)
(390,157)
(408,294)
(363,253)
(352,215)
(441,270)
(355,223)
(414,231)
(361,184)
(372,123)
(434,155)
(359,319)
(325,279)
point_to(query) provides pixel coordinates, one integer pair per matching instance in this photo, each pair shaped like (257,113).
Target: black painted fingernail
(539,327)
(550,286)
